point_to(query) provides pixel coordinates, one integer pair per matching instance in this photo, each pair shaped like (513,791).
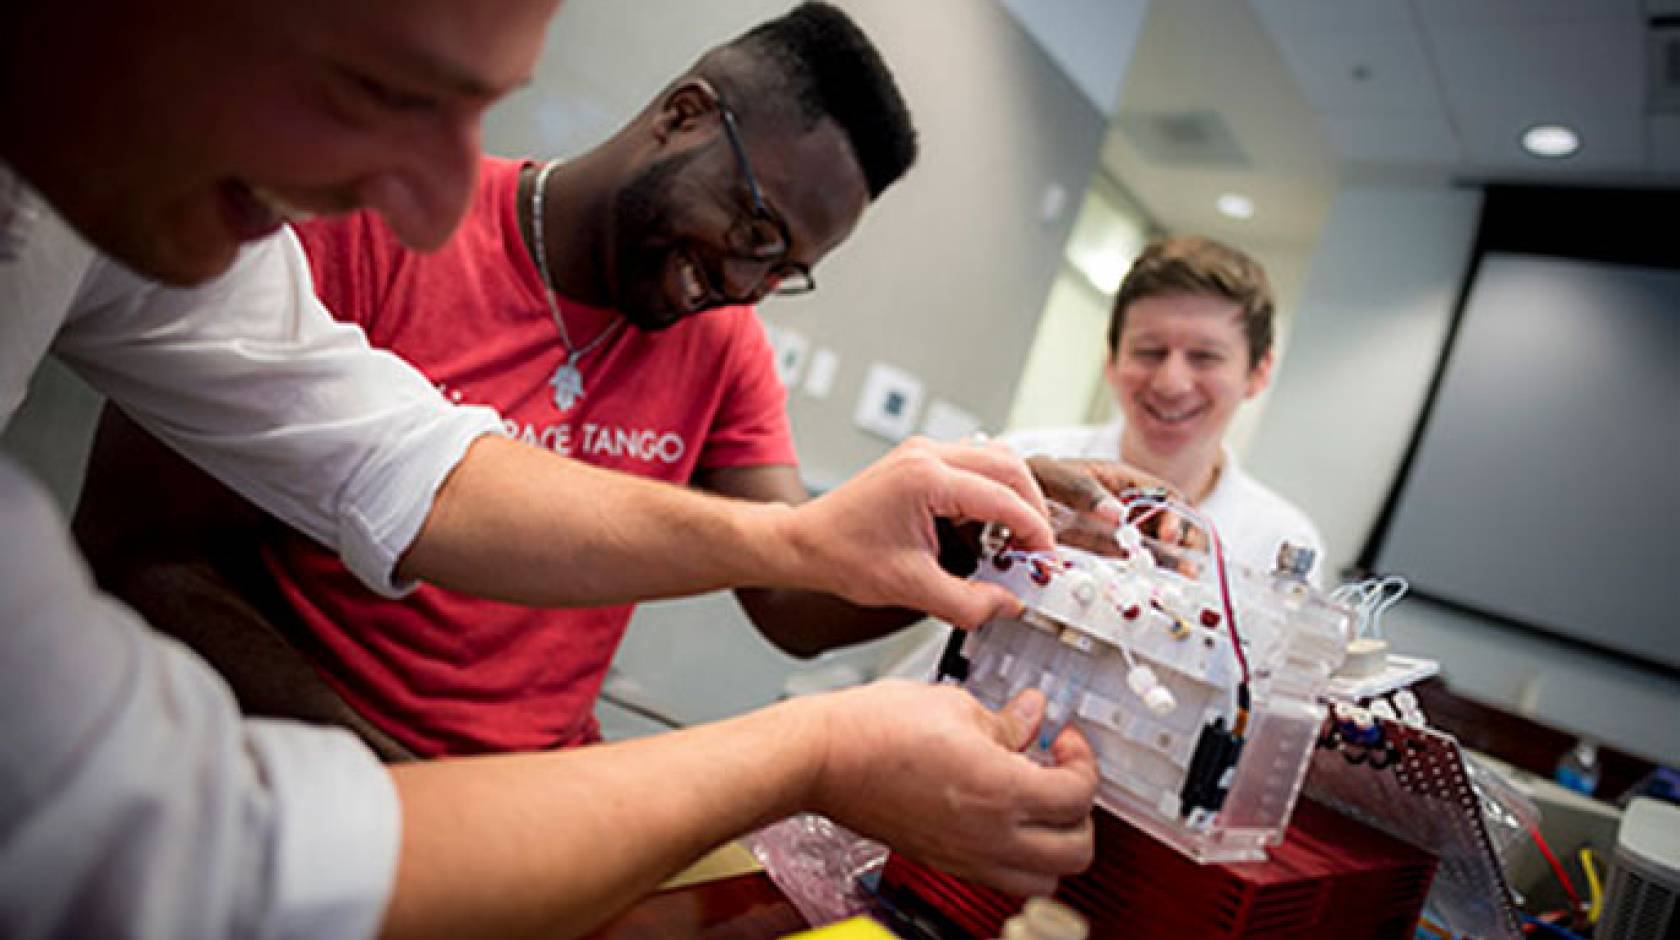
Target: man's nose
(744,279)
(1173,376)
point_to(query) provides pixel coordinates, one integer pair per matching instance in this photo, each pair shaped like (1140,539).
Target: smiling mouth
(1175,415)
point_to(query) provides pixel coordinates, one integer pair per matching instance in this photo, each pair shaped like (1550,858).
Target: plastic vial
(1070,671)
(1046,919)
(1578,769)
(1294,563)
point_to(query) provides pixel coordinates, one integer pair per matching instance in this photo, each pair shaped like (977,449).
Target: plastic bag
(817,864)
(1508,815)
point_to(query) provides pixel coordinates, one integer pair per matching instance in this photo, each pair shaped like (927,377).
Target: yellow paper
(858,928)
(725,861)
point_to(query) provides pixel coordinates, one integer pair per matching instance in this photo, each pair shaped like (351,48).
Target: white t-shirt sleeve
(134,801)
(251,378)
(1082,441)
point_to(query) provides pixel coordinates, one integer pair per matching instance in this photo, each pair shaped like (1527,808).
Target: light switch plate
(947,422)
(792,349)
(819,378)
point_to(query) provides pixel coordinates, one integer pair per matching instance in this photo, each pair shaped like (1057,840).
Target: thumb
(968,604)
(1071,749)
(1019,719)
(1109,509)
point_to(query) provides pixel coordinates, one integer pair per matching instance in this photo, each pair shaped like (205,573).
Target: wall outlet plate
(819,378)
(889,403)
(947,422)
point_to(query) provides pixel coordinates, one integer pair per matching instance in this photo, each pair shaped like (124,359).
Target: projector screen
(1545,484)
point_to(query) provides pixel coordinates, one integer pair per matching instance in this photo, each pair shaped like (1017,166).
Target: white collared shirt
(134,800)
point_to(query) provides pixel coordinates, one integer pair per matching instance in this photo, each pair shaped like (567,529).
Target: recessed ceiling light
(1236,206)
(1551,140)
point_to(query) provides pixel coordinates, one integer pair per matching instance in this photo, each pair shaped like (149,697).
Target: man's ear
(1111,371)
(1261,375)
(687,107)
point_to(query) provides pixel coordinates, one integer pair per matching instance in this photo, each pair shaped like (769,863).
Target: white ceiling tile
(1613,142)
(1395,139)
(1598,64)
(1362,70)
(1293,15)
(1500,80)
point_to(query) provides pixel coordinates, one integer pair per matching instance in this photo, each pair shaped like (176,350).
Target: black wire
(644,711)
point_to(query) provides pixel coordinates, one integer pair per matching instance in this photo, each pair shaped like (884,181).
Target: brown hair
(1191,264)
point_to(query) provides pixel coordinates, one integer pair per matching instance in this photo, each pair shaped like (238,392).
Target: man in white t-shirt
(1189,341)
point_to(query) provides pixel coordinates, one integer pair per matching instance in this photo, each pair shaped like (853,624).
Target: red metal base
(1331,878)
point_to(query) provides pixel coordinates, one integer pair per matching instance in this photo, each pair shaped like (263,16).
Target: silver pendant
(568,384)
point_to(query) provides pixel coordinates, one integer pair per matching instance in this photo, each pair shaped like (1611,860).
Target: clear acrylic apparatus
(1137,653)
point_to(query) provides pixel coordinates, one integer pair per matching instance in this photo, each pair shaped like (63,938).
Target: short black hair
(817,56)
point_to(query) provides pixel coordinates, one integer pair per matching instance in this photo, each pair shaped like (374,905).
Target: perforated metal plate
(1414,787)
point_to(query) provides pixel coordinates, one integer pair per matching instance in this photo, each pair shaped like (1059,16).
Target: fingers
(1091,533)
(1020,884)
(967,494)
(997,462)
(1069,484)
(1072,752)
(1061,850)
(1117,477)
(965,604)
(1027,859)
(1060,796)
(1017,722)
(1109,509)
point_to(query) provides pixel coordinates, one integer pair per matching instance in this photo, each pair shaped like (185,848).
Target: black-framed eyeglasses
(762,237)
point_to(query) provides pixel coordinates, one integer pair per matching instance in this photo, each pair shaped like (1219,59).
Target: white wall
(1363,347)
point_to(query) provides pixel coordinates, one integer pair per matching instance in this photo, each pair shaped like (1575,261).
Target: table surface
(745,907)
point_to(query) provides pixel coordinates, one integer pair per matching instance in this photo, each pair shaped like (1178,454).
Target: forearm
(552,844)
(515,523)
(519,524)
(805,623)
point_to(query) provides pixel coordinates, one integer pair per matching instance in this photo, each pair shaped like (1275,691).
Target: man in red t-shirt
(568,300)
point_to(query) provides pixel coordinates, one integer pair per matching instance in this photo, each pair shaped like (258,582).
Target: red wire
(1557,869)
(1224,586)
(1225,596)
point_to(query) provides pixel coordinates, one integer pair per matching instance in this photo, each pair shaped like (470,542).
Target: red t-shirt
(449,674)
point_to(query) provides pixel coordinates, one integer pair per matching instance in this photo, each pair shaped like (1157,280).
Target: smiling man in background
(1190,339)
(133,798)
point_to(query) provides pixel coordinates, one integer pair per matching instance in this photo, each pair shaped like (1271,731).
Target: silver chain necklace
(567,380)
